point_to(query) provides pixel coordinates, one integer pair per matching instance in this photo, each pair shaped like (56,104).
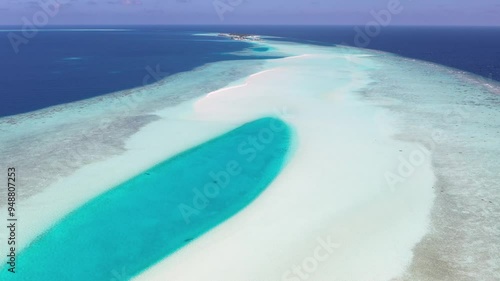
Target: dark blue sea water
(472,49)
(60,67)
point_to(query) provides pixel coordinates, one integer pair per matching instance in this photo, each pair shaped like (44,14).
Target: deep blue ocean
(60,67)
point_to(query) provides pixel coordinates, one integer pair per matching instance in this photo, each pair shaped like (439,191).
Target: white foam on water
(207,34)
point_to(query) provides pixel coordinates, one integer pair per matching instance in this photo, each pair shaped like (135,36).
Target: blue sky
(415,12)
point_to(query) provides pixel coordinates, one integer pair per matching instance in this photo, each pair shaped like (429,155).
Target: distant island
(241,37)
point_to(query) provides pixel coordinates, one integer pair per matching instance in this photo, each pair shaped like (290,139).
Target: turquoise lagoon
(124,231)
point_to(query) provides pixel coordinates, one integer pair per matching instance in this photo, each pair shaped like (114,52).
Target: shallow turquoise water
(131,227)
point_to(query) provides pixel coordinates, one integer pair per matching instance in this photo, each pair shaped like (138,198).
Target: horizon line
(243,24)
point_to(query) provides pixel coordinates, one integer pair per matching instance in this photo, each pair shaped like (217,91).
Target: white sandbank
(334,188)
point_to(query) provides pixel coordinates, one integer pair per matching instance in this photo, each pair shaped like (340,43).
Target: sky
(330,12)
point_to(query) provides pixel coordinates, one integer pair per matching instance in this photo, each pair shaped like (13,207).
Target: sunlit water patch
(136,224)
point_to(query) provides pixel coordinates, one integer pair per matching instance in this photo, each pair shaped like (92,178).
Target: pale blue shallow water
(136,224)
